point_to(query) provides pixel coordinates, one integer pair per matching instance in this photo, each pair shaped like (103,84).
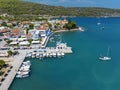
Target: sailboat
(105,58)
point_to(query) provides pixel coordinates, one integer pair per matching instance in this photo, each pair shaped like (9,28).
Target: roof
(43,27)
(24,43)
(35,42)
(4,30)
(22,39)
(16,31)
(13,43)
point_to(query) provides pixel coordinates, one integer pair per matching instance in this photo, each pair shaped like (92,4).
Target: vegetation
(20,9)
(70,25)
(4,24)
(10,53)
(15,52)
(30,41)
(9,41)
(31,26)
(2,63)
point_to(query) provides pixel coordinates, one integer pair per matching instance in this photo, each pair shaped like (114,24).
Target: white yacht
(105,58)
(24,70)
(81,29)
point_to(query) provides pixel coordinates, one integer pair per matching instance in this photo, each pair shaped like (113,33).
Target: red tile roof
(4,30)
(16,31)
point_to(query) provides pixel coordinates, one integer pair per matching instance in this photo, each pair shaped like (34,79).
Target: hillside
(20,7)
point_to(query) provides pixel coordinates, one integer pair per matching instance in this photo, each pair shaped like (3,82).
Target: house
(16,32)
(4,29)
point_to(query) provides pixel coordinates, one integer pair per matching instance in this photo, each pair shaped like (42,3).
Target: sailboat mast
(108,51)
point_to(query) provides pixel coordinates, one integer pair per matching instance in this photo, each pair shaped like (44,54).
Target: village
(20,39)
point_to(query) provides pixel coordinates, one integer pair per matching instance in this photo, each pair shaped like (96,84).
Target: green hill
(20,7)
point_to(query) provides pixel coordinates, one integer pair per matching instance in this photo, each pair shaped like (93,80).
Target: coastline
(71,30)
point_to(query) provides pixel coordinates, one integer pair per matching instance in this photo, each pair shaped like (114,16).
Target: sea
(81,70)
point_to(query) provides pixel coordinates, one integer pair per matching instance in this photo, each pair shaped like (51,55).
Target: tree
(30,41)
(70,25)
(15,52)
(10,53)
(4,24)
(9,41)
(27,30)
(31,26)
(2,63)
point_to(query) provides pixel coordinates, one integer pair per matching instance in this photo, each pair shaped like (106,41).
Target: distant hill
(20,7)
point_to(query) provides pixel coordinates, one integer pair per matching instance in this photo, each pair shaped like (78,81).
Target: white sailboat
(105,58)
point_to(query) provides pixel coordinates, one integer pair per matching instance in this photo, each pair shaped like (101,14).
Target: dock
(59,51)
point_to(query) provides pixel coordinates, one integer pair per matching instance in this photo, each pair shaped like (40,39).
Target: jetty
(59,51)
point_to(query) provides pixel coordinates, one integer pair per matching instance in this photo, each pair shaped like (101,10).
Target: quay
(18,59)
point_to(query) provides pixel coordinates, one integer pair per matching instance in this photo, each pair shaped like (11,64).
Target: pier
(59,51)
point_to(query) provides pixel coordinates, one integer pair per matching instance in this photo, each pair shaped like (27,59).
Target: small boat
(98,23)
(37,55)
(81,29)
(44,54)
(54,54)
(59,54)
(105,58)
(26,63)
(62,54)
(21,76)
(41,56)
(51,54)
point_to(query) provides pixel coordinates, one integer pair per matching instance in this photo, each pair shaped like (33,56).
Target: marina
(58,51)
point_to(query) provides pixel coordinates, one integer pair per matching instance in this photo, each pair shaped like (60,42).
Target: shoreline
(71,30)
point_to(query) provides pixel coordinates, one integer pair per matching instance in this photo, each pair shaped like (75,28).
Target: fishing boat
(105,58)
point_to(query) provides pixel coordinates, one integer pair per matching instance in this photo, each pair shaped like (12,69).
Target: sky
(81,3)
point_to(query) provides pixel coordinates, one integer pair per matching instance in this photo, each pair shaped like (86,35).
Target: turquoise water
(81,70)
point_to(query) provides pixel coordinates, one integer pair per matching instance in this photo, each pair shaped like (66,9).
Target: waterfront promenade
(18,59)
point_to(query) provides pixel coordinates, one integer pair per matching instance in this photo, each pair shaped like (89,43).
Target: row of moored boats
(24,70)
(43,55)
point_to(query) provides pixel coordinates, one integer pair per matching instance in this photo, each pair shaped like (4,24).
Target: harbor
(82,68)
(21,70)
